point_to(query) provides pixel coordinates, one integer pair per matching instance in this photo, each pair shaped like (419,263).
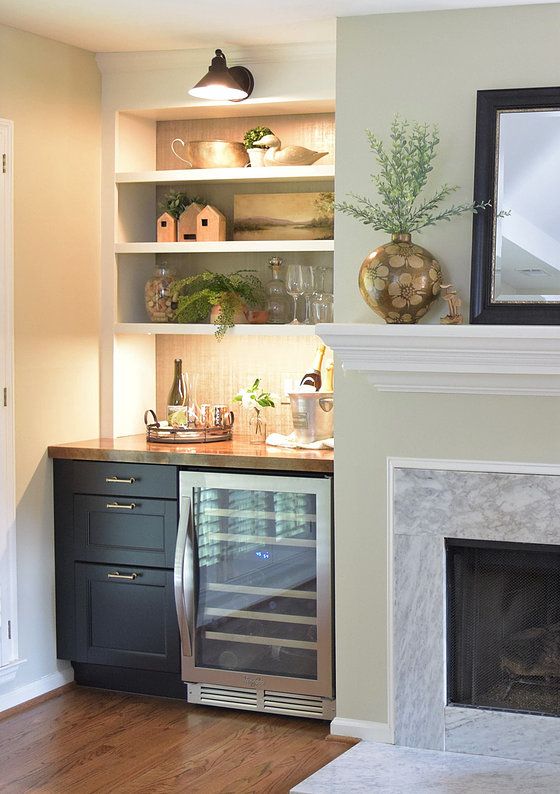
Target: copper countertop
(235,454)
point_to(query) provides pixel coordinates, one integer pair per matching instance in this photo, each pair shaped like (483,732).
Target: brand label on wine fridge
(253,681)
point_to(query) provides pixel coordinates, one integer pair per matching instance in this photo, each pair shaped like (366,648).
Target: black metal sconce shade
(220,82)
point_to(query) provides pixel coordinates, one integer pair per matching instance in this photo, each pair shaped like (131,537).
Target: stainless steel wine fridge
(253,572)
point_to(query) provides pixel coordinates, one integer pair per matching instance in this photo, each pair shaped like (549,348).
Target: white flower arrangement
(255,398)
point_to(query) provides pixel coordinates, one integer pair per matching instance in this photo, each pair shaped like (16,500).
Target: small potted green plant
(256,153)
(175,202)
(224,299)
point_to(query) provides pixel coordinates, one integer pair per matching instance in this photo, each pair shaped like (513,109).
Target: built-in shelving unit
(208,329)
(136,250)
(266,175)
(139,169)
(226,247)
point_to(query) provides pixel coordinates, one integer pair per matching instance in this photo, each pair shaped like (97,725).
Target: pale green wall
(426,67)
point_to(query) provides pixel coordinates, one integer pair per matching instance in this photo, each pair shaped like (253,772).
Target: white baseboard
(363,729)
(36,688)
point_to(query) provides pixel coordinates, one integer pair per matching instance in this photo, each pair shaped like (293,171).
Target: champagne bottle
(329,377)
(313,377)
(177,397)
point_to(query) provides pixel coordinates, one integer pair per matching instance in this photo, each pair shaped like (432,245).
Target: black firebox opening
(503,626)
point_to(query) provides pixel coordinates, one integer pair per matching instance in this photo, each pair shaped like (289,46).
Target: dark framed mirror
(515,277)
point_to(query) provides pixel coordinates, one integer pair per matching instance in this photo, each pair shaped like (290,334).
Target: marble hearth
(429,504)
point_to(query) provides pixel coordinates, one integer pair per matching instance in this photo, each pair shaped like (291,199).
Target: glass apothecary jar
(158,294)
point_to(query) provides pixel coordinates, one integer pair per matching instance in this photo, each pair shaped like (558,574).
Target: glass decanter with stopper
(276,295)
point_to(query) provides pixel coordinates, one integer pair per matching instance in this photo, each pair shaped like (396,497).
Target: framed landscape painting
(283,216)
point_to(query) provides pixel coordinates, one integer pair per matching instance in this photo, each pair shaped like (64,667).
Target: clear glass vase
(257,428)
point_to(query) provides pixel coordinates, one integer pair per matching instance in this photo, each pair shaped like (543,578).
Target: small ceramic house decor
(166,228)
(210,225)
(186,228)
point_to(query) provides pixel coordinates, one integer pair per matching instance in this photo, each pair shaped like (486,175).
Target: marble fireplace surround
(430,501)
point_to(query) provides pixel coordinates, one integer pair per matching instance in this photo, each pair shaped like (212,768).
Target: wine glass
(307,284)
(322,306)
(294,287)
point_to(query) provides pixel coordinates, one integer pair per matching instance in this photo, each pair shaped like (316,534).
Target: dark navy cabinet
(126,616)
(115,533)
(124,530)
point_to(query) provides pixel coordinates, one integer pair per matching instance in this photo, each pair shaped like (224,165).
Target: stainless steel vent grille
(262,700)
(225,696)
(300,705)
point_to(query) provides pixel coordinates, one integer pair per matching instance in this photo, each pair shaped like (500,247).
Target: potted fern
(400,280)
(221,298)
(256,153)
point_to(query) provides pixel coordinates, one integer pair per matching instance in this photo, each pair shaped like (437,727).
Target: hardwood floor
(89,740)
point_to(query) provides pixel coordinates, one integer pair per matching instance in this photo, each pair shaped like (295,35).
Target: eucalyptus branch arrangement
(404,168)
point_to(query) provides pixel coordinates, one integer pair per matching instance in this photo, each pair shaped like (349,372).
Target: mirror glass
(526,261)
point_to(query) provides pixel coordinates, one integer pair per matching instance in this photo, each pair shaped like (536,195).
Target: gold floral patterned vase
(400,280)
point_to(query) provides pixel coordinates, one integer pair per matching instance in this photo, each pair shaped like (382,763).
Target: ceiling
(137,25)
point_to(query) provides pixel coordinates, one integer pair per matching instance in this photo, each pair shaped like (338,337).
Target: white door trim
(8,584)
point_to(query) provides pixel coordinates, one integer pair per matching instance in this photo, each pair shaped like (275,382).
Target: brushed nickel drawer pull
(127,480)
(116,575)
(117,506)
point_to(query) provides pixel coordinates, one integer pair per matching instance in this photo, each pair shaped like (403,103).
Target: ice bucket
(312,415)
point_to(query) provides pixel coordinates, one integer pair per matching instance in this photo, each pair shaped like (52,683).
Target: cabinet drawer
(119,479)
(125,530)
(126,622)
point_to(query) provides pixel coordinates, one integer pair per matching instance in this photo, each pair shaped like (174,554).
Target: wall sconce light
(235,84)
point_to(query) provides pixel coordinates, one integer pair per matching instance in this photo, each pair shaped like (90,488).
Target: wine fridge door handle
(183,575)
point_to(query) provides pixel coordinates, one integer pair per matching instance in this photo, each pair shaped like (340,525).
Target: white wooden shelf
(452,359)
(209,328)
(227,247)
(286,173)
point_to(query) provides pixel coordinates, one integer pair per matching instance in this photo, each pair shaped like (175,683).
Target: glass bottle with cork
(312,379)
(177,398)
(328,385)
(276,295)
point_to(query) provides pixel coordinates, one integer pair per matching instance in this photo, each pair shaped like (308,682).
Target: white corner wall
(52,92)
(426,67)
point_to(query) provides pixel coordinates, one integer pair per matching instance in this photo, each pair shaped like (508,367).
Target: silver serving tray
(155,434)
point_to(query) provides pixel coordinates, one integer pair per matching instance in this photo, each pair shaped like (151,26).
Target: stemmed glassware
(294,287)
(308,284)
(322,306)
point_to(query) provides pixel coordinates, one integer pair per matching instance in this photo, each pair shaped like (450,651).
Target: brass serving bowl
(212,154)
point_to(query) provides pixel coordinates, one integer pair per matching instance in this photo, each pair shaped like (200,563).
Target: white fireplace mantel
(459,359)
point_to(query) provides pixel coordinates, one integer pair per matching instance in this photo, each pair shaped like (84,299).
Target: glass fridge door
(262,566)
